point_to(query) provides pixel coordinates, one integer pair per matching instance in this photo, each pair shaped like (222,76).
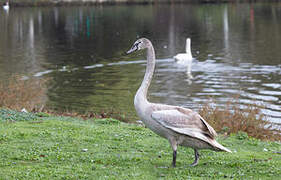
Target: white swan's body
(179,125)
(185,59)
(6,6)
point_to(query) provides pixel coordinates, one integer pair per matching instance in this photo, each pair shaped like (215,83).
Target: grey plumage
(181,126)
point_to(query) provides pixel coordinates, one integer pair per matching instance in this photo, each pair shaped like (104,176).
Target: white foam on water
(93,66)
(42,73)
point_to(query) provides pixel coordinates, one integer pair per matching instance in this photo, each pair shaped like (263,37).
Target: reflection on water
(236,49)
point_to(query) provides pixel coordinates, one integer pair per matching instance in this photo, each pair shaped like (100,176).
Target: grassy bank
(34,147)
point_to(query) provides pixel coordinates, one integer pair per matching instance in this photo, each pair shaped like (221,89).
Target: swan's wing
(184,121)
(183,58)
(180,57)
(202,120)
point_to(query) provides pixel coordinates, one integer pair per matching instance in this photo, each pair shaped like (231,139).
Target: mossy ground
(54,148)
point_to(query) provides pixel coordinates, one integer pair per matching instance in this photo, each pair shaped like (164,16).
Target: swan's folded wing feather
(202,120)
(188,122)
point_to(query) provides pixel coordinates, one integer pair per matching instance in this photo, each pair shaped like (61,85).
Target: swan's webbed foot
(196,154)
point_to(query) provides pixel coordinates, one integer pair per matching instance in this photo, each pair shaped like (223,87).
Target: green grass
(52,148)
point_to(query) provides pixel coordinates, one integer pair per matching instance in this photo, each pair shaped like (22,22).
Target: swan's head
(139,45)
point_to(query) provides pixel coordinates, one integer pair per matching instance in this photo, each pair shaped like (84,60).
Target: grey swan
(185,59)
(181,126)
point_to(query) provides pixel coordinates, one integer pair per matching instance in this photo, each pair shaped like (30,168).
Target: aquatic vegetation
(231,118)
(16,93)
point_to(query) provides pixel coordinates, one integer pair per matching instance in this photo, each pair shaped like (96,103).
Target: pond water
(236,50)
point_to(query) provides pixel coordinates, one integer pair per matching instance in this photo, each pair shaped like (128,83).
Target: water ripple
(42,73)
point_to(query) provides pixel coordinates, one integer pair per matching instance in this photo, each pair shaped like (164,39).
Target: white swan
(185,58)
(179,125)
(6,6)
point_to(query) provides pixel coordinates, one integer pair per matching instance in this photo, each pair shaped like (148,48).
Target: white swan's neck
(141,94)
(187,46)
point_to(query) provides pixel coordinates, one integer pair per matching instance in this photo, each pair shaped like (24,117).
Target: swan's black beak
(133,49)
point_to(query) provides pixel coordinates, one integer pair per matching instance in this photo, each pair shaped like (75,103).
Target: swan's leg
(174,147)
(174,158)
(196,158)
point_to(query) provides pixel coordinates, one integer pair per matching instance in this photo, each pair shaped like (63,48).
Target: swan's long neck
(187,46)
(150,66)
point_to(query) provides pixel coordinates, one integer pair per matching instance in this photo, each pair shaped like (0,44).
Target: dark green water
(236,50)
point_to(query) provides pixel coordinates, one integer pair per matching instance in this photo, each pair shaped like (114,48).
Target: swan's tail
(218,147)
